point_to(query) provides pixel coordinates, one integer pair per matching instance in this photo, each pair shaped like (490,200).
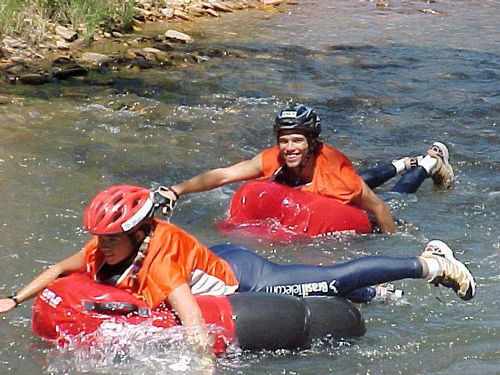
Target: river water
(387,82)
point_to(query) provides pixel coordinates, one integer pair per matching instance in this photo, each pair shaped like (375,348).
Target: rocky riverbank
(64,53)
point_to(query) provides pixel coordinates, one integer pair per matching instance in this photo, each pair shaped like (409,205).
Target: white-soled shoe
(453,273)
(442,174)
(387,292)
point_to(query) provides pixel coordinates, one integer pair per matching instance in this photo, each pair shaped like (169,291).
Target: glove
(166,199)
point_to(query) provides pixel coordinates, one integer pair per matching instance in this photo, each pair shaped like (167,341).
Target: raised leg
(258,274)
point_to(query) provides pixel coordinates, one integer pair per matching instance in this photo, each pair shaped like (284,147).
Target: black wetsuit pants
(350,279)
(408,183)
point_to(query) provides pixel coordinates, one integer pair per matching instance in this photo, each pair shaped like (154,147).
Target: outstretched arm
(369,201)
(74,263)
(182,300)
(245,170)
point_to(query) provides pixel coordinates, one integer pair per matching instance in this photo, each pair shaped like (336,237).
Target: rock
(17,59)
(199,58)
(167,12)
(196,11)
(177,35)
(67,34)
(141,62)
(151,50)
(175,2)
(134,42)
(206,5)
(154,54)
(182,15)
(16,69)
(211,12)
(75,94)
(70,71)
(34,79)
(93,58)
(271,2)
(61,44)
(62,60)
(221,8)
(4,100)
(167,47)
(12,43)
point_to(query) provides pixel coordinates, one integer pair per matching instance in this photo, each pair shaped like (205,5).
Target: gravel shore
(63,53)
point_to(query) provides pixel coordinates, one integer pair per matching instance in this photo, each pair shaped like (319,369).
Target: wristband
(13,297)
(173,191)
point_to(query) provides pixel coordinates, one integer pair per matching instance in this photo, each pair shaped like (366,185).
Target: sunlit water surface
(387,82)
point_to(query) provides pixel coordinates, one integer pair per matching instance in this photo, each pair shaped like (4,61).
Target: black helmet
(298,117)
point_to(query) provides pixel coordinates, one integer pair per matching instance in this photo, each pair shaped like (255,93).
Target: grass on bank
(31,20)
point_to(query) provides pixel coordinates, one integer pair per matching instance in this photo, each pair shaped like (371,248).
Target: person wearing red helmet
(301,160)
(165,266)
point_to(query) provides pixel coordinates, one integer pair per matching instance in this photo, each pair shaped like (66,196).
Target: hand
(6,305)
(166,199)
(201,340)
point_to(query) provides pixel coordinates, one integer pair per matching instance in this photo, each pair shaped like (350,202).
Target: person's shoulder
(91,245)
(162,227)
(271,150)
(332,151)
(165,228)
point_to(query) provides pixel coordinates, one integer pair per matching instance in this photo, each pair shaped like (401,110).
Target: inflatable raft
(265,208)
(76,305)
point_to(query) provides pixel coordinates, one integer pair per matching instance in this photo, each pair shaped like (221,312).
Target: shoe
(387,292)
(452,273)
(442,174)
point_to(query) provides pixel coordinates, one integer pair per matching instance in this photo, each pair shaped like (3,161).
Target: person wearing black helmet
(302,161)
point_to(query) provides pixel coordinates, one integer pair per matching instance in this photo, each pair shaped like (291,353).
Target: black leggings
(352,279)
(408,183)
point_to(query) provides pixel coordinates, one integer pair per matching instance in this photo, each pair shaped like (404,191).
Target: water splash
(130,349)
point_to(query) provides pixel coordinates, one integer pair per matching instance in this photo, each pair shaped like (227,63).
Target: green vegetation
(32,19)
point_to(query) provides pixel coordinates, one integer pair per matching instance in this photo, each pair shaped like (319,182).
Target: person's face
(293,148)
(115,247)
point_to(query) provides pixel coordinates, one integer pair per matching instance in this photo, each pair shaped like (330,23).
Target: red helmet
(118,209)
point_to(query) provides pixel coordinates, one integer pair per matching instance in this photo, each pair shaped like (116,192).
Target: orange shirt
(334,175)
(174,257)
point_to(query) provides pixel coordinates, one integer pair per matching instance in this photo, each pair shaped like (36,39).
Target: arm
(72,264)
(369,201)
(182,300)
(215,178)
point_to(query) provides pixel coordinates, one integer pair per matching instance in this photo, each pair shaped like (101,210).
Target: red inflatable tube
(75,305)
(268,208)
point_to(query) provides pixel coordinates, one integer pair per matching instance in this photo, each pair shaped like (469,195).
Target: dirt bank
(63,52)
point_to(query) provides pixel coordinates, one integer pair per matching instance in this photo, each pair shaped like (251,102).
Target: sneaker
(387,292)
(452,273)
(442,174)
